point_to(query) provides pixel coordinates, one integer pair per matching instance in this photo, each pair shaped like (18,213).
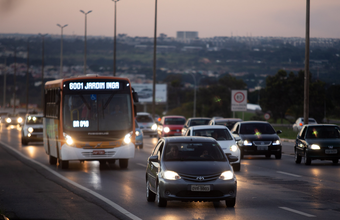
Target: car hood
(197,167)
(174,126)
(225,145)
(262,137)
(324,142)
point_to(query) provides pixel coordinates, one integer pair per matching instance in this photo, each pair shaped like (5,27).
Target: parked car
(171,125)
(318,142)
(223,137)
(190,169)
(257,138)
(228,122)
(194,122)
(299,123)
(147,124)
(139,136)
(13,119)
(32,129)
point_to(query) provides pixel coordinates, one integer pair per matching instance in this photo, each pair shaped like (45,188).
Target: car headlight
(137,133)
(171,175)
(154,127)
(68,138)
(19,120)
(166,129)
(30,130)
(227,175)
(247,143)
(127,138)
(8,120)
(277,142)
(233,148)
(315,147)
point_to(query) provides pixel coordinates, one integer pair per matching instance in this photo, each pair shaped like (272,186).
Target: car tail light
(300,123)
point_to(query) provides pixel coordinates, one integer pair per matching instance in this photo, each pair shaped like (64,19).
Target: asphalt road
(30,188)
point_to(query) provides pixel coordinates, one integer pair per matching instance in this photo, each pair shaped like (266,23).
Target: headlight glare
(277,142)
(127,138)
(30,130)
(233,148)
(137,133)
(166,129)
(315,147)
(19,120)
(68,138)
(227,175)
(247,143)
(171,175)
(8,120)
(154,127)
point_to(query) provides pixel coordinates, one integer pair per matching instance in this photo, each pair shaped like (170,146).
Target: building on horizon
(186,36)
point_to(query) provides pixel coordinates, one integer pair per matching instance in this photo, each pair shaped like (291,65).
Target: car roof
(321,125)
(173,116)
(176,139)
(198,118)
(228,119)
(252,122)
(143,113)
(199,127)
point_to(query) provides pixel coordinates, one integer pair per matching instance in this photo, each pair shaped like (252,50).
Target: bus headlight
(127,139)
(154,127)
(19,120)
(233,148)
(30,130)
(166,129)
(69,140)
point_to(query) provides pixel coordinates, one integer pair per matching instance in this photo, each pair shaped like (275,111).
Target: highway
(267,188)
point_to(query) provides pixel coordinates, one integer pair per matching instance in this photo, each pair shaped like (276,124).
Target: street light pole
(154,63)
(306,90)
(42,69)
(114,41)
(85,38)
(61,75)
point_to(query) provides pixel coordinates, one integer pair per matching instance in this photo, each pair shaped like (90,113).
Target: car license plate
(262,147)
(98,152)
(200,188)
(331,151)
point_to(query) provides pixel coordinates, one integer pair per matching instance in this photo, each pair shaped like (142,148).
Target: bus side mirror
(135,96)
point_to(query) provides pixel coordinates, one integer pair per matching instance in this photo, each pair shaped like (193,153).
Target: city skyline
(136,18)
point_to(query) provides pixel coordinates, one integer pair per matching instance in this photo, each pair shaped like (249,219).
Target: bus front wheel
(53,160)
(63,164)
(123,163)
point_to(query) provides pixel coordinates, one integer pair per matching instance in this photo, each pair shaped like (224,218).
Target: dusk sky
(136,17)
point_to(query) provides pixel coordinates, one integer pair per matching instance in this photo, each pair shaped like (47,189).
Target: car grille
(213,193)
(262,143)
(198,178)
(91,155)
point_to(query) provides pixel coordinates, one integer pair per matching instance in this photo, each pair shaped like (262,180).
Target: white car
(299,123)
(223,137)
(147,124)
(32,129)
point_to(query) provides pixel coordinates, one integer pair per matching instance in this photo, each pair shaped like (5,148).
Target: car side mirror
(278,132)
(153,158)
(237,139)
(234,132)
(232,158)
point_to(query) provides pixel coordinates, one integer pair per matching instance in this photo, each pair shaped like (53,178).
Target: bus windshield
(97,112)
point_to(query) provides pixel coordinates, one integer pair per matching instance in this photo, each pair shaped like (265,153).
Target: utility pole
(306,92)
(27,76)
(154,64)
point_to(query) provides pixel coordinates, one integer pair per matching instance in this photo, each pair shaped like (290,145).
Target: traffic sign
(239,100)
(267,116)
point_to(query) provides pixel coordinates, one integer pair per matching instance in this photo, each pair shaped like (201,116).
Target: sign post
(238,101)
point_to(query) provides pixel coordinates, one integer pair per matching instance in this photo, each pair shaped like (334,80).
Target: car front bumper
(255,150)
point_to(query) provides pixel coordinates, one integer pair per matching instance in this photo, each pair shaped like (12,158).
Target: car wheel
(230,202)
(278,156)
(161,202)
(150,196)
(52,160)
(237,166)
(335,161)
(308,160)
(123,163)
(297,157)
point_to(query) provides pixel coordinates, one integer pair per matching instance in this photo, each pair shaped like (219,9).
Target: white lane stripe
(298,212)
(104,199)
(140,164)
(290,174)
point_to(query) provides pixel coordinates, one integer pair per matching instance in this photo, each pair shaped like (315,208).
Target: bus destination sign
(93,85)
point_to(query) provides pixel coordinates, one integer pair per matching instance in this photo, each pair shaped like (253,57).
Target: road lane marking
(140,164)
(104,199)
(298,212)
(290,174)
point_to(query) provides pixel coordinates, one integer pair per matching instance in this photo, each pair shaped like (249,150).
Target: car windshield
(323,132)
(174,121)
(33,120)
(257,128)
(218,134)
(195,122)
(228,124)
(193,152)
(144,118)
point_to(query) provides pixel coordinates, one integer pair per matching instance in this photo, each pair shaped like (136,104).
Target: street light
(61,50)
(42,69)
(85,38)
(154,63)
(114,41)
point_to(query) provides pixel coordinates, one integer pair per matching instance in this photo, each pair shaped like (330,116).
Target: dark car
(318,141)
(171,125)
(190,169)
(257,138)
(194,122)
